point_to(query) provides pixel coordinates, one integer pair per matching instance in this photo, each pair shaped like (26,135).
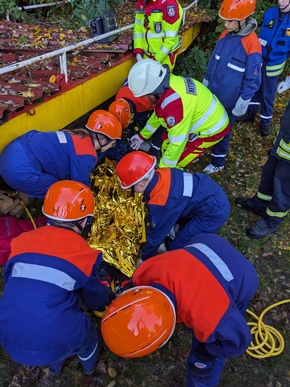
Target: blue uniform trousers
(274,191)
(211,373)
(219,151)
(88,353)
(265,98)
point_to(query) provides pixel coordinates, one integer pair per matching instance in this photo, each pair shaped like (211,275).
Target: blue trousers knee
(88,353)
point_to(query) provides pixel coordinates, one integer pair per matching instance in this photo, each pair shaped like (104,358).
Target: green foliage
(86,10)
(193,64)
(9,8)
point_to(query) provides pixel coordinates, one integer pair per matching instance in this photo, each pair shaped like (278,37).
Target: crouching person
(206,285)
(49,270)
(193,203)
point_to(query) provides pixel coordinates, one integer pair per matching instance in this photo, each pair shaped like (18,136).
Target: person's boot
(249,116)
(247,204)
(261,229)
(265,129)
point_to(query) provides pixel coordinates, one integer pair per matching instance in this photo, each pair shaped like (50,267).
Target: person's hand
(139,57)
(241,107)
(135,142)
(283,86)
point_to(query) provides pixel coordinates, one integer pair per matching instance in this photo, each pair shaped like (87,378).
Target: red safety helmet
(103,122)
(121,109)
(68,200)
(237,9)
(138,322)
(134,167)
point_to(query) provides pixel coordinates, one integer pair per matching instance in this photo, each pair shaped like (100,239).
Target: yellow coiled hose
(267,341)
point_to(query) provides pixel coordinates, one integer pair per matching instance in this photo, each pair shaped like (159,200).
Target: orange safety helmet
(68,200)
(121,109)
(134,167)
(103,122)
(138,322)
(237,9)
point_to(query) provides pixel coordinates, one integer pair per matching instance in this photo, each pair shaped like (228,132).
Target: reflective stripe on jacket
(274,37)
(47,273)
(212,283)
(156,28)
(234,69)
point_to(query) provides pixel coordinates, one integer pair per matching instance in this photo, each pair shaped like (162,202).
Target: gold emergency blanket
(118,226)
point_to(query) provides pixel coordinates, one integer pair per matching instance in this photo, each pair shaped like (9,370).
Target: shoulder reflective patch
(171,10)
(44,274)
(61,137)
(215,260)
(190,85)
(170,120)
(187,184)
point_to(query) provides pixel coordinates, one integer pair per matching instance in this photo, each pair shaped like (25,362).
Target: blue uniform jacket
(212,284)
(274,37)
(53,155)
(48,271)
(234,69)
(173,196)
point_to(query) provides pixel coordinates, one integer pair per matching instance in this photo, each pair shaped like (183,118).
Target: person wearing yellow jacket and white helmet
(193,117)
(156,29)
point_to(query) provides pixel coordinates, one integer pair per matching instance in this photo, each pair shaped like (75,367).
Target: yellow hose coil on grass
(267,341)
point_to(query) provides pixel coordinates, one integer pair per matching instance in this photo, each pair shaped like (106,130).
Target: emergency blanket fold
(119,219)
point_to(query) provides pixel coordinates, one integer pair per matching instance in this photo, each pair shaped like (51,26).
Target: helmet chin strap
(282,9)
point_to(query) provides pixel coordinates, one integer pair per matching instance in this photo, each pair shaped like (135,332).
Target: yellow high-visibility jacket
(156,28)
(187,110)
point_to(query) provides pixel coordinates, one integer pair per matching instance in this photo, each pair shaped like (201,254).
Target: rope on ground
(267,341)
(28,213)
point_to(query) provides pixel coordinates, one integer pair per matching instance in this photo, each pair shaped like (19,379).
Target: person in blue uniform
(34,161)
(272,200)
(274,37)
(187,203)
(207,285)
(234,70)
(50,269)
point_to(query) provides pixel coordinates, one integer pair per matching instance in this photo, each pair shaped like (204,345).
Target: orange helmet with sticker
(138,322)
(68,200)
(121,109)
(103,122)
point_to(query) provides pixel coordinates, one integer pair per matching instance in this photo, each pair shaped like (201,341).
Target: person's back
(49,271)
(45,270)
(173,197)
(59,151)
(34,161)
(194,202)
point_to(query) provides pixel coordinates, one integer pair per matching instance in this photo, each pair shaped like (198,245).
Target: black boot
(261,229)
(265,129)
(247,204)
(249,116)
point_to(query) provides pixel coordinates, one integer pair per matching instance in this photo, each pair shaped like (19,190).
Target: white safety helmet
(146,76)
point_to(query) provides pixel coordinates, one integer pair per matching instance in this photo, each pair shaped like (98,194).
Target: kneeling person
(193,201)
(206,285)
